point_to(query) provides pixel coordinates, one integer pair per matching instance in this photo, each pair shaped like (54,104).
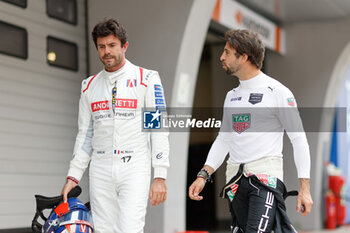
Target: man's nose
(107,50)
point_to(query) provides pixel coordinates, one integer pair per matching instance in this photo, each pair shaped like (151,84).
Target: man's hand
(198,185)
(195,188)
(304,202)
(158,191)
(67,188)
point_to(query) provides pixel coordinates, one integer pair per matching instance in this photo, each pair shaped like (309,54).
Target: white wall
(38,113)
(313,50)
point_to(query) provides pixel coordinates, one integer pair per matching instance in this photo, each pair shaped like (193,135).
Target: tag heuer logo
(241,122)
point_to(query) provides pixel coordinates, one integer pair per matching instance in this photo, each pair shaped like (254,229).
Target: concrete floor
(344,229)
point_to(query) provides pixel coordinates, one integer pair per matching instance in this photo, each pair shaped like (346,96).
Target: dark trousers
(256,207)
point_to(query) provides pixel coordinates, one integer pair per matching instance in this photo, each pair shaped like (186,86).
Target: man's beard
(117,61)
(232,71)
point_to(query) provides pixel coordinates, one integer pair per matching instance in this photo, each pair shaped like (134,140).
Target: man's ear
(244,57)
(125,46)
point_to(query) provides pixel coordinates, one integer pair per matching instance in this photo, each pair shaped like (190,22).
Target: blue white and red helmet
(70,217)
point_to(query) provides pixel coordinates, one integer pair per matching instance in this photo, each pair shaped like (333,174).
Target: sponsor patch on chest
(241,122)
(99,106)
(255,98)
(236,99)
(131,83)
(126,103)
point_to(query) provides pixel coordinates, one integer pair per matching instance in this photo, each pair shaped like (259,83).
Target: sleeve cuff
(160,172)
(76,173)
(304,175)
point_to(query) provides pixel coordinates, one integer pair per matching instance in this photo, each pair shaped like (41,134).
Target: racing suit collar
(116,75)
(253,82)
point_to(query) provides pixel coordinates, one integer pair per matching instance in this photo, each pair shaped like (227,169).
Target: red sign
(99,106)
(126,103)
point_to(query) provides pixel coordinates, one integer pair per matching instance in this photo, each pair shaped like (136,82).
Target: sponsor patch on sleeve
(158,94)
(158,87)
(291,101)
(159,97)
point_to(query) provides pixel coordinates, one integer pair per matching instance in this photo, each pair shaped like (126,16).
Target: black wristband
(204,173)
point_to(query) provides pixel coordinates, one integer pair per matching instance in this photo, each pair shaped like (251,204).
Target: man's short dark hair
(247,42)
(108,27)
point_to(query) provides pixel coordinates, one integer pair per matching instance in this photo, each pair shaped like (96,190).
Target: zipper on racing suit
(114,95)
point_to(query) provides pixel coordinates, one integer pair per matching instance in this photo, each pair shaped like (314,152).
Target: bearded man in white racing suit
(111,139)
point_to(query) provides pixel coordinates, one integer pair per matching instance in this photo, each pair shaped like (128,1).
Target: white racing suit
(110,135)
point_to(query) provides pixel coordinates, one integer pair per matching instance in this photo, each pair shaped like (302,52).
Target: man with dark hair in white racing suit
(111,138)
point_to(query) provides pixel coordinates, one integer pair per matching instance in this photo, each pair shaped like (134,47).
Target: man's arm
(159,140)
(289,116)
(82,147)
(216,157)
(198,185)
(304,202)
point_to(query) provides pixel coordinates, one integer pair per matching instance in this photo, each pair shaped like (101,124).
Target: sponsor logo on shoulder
(148,75)
(291,101)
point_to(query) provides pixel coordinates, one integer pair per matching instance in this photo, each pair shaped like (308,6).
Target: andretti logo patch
(241,122)
(99,106)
